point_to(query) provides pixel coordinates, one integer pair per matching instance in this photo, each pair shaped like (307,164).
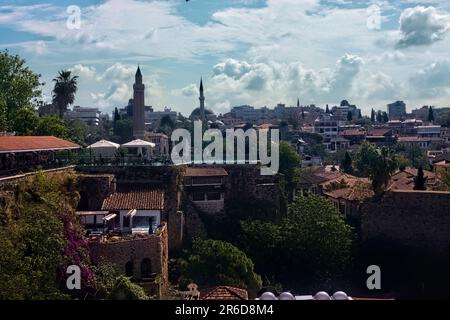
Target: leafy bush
(124,289)
(214,262)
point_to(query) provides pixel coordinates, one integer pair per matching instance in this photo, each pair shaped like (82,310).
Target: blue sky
(258,52)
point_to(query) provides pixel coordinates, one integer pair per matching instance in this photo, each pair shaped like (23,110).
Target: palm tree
(64,91)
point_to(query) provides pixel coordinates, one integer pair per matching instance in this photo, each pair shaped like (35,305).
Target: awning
(131,213)
(110,216)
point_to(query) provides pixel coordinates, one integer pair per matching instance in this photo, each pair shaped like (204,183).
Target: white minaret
(139,106)
(202,102)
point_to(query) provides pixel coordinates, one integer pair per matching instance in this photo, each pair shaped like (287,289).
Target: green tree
(385,117)
(19,88)
(116,116)
(214,262)
(124,289)
(289,164)
(64,91)
(377,164)
(123,130)
(347,163)
(379,116)
(77,131)
(105,278)
(25,121)
(34,245)
(349,116)
(167,125)
(312,242)
(327,109)
(430,114)
(420,180)
(52,126)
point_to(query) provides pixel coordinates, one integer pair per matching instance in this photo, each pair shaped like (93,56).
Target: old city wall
(416,220)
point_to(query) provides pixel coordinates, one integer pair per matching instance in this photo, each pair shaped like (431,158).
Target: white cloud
(36,47)
(422,26)
(258,83)
(83,71)
(190,90)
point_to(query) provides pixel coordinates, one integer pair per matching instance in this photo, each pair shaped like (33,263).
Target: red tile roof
(223,293)
(206,172)
(9,144)
(135,197)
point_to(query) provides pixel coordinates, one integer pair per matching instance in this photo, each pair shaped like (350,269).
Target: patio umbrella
(104,148)
(138,143)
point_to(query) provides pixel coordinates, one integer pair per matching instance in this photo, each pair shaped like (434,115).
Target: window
(198,196)
(213,195)
(129,269)
(146,268)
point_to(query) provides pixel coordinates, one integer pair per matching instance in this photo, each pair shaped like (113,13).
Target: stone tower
(138,106)
(202,102)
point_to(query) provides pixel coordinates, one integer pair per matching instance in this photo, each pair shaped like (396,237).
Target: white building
(327,125)
(161,142)
(90,116)
(138,207)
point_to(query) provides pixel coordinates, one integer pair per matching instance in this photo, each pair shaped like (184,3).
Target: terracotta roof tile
(135,197)
(224,293)
(33,143)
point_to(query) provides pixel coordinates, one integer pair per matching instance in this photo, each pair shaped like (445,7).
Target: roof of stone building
(206,172)
(10,144)
(223,293)
(140,197)
(318,175)
(404,179)
(348,187)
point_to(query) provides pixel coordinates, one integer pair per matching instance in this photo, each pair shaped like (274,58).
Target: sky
(257,52)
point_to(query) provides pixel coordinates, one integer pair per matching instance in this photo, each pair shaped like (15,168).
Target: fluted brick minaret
(139,106)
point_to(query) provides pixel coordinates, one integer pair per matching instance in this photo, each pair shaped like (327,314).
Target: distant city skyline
(252,52)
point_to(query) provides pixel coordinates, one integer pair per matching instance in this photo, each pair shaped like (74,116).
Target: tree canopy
(64,91)
(312,242)
(214,262)
(377,164)
(20,88)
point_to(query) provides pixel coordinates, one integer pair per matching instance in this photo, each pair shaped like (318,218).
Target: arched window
(129,269)
(146,268)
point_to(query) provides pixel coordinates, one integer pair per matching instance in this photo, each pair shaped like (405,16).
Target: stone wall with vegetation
(135,249)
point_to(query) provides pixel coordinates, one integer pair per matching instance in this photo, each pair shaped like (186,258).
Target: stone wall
(94,189)
(418,220)
(120,252)
(247,194)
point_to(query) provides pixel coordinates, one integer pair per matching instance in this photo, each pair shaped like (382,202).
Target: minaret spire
(202,101)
